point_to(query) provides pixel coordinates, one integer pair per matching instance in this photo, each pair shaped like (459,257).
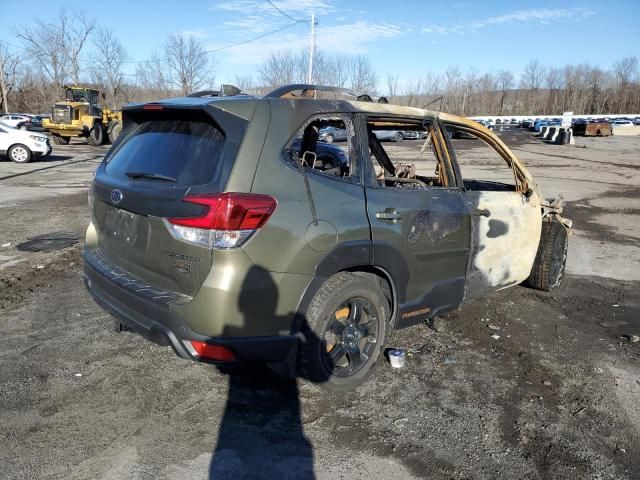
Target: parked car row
(25,121)
(535,123)
(334,134)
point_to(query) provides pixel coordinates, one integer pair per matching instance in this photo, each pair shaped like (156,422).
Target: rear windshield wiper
(150,176)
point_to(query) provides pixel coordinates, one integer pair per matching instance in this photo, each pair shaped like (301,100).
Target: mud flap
(288,367)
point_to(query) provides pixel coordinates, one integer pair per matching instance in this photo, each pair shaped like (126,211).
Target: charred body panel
(505,235)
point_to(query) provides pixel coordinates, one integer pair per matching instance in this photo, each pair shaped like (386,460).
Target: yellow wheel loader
(80,115)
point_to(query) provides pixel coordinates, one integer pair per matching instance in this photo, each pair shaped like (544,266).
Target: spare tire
(548,268)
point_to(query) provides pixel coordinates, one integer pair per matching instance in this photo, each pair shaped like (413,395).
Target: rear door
(165,153)
(419,223)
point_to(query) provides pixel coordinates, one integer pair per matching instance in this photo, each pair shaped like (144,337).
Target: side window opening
(482,167)
(324,146)
(405,155)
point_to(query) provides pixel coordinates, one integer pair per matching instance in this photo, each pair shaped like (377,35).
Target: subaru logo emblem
(116,195)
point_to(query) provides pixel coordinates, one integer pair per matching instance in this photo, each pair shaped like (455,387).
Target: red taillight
(229,211)
(213,352)
(152,107)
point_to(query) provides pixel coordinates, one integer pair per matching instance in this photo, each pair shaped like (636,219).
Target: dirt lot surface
(556,396)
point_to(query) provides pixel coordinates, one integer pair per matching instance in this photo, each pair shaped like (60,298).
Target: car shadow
(261,433)
(52,158)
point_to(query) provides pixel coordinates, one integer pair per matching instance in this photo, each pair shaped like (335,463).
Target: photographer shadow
(261,433)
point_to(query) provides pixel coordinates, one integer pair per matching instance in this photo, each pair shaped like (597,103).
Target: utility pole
(312,48)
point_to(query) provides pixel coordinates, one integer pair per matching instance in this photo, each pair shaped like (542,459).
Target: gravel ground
(554,397)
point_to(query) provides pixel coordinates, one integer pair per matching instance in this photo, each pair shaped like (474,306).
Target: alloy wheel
(351,336)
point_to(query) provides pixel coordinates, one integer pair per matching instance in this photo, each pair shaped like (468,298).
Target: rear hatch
(164,152)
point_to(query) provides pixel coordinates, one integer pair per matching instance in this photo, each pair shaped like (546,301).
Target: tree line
(73,49)
(539,90)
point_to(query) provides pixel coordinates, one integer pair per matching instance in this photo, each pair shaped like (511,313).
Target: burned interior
(402,174)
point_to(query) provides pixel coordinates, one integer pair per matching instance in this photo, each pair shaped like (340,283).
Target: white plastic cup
(397,357)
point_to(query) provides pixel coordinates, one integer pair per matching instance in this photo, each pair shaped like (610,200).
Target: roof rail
(282,91)
(306,87)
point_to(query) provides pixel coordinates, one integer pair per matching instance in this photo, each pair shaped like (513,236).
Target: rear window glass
(186,151)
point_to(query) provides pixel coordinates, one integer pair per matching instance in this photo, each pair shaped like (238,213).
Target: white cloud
(532,16)
(343,39)
(542,15)
(250,24)
(442,30)
(194,33)
(320,7)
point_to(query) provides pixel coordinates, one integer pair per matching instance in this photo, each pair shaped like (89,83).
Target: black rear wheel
(347,320)
(95,135)
(114,132)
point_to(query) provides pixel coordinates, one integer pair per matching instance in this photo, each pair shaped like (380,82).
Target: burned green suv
(224,227)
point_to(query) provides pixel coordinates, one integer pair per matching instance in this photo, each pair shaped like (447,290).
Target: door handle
(480,213)
(389,215)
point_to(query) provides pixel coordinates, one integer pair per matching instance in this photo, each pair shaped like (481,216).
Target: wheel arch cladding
(355,257)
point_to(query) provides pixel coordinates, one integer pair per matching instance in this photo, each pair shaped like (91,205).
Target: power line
(282,12)
(256,38)
(226,47)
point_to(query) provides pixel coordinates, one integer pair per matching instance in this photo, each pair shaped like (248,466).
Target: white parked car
(622,123)
(21,145)
(14,120)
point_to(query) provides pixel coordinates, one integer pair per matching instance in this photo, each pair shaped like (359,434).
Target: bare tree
(360,74)
(279,69)
(246,83)
(624,70)
(188,62)
(505,84)
(487,85)
(152,79)
(392,86)
(56,46)
(452,90)
(468,89)
(108,62)
(9,64)
(337,70)
(76,30)
(532,79)
(285,67)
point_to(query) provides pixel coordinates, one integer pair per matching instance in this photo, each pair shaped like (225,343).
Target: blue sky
(404,38)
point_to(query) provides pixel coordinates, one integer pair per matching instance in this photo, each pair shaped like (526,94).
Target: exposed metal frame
(285,89)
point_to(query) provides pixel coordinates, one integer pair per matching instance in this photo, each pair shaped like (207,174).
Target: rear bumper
(147,312)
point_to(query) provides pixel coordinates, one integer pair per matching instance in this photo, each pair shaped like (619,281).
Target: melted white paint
(506,259)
